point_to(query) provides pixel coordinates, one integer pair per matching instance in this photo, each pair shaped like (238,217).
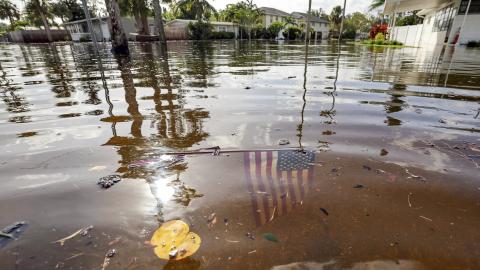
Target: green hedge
(473,44)
(222,35)
(382,42)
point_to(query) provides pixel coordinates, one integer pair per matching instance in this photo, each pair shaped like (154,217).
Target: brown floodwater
(359,158)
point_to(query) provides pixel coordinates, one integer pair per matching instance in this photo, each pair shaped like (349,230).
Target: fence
(409,35)
(37,36)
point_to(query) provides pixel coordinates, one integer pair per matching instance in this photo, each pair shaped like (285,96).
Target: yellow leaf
(173,241)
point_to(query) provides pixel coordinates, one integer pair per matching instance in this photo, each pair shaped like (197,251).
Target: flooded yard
(339,157)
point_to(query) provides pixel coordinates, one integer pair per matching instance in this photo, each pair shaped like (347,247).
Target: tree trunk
(12,23)
(159,22)
(117,33)
(44,21)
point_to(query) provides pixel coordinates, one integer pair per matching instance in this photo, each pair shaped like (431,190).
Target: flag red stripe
(253,195)
(261,185)
(293,197)
(270,180)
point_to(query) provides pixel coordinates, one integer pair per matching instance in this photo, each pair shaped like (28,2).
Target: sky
(302,5)
(285,5)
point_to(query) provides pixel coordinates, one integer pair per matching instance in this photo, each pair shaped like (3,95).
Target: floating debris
(427,219)
(248,87)
(212,220)
(11,232)
(413,176)
(250,235)
(174,241)
(283,142)
(111,253)
(291,77)
(324,211)
(109,180)
(368,168)
(270,237)
(358,186)
(82,231)
(383,152)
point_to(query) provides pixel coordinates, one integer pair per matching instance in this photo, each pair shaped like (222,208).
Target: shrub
(199,30)
(349,33)
(274,28)
(378,28)
(292,32)
(259,32)
(221,35)
(473,43)
(380,36)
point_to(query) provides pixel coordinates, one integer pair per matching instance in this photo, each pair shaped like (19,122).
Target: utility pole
(89,23)
(307,34)
(343,19)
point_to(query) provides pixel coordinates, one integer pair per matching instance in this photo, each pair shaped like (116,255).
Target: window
(474,7)
(276,18)
(443,19)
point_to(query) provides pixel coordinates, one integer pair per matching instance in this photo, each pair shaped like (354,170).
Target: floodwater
(386,176)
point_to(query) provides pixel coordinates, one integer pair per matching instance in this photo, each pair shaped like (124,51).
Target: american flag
(277,181)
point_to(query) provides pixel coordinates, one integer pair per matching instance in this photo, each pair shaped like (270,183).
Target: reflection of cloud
(162,189)
(47,137)
(40,180)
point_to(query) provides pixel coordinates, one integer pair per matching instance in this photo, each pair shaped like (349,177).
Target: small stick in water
(81,231)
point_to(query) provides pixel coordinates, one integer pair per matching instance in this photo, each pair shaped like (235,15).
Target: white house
(178,28)
(319,25)
(175,29)
(445,21)
(271,15)
(79,29)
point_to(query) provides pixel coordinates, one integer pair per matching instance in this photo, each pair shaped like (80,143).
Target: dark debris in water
(324,211)
(358,186)
(109,180)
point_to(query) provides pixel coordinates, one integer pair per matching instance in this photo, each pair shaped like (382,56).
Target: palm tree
(139,10)
(335,17)
(201,8)
(159,21)
(9,11)
(376,4)
(39,9)
(118,36)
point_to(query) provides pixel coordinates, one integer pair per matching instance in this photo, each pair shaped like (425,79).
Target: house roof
(84,20)
(392,6)
(274,11)
(301,15)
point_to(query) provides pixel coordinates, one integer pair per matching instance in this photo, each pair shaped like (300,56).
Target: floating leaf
(270,237)
(173,241)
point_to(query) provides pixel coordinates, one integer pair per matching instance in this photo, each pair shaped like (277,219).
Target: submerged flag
(277,181)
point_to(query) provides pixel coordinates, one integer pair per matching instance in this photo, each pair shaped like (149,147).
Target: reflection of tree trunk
(44,21)
(131,97)
(159,22)
(118,36)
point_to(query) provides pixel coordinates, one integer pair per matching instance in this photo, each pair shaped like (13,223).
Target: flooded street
(359,158)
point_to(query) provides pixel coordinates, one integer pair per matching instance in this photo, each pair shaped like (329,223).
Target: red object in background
(378,28)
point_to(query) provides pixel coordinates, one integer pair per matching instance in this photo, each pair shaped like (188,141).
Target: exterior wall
(470,30)
(178,30)
(269,19)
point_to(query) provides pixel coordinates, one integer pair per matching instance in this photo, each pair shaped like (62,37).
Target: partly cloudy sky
(302,5)
(285,5)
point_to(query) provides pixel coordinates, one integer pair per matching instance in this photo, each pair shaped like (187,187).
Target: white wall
(470,31)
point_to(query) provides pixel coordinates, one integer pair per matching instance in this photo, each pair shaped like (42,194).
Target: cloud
(302,5)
